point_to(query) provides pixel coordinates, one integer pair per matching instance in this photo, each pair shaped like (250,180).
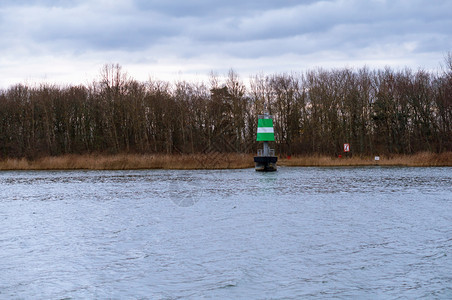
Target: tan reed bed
(132,161)
(212,161)
(423,159)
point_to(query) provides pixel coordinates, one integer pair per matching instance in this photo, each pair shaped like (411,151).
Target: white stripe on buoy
(265,130)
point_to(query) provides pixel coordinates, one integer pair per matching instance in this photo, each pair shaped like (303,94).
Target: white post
(266,149)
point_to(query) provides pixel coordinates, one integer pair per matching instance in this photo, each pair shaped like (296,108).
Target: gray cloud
(236,30)
(208,9)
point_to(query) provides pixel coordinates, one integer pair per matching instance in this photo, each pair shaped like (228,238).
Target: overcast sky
(67,42)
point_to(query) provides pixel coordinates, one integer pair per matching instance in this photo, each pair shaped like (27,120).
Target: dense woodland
(376,111)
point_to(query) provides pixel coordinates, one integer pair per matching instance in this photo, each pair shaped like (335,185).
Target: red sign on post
(346,147)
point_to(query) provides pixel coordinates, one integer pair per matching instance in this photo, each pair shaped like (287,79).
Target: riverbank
(132,162)
(424,159)
(213,161)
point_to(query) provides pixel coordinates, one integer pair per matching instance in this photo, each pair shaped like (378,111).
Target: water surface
(370,232)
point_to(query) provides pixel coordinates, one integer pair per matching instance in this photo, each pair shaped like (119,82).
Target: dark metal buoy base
(265,163)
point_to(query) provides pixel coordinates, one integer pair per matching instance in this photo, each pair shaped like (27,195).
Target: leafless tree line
(375,111)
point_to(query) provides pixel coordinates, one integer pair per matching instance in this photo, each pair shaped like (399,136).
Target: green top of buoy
(265,131)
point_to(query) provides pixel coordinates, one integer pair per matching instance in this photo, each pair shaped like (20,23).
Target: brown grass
(423,159)
(212,161)
(131,161)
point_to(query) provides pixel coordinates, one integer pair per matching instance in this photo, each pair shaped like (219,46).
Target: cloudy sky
(67,42)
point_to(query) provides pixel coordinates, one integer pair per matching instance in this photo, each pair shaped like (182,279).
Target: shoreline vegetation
(315,112)
(213,161)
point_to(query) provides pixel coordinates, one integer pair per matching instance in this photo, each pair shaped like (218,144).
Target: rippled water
(296,233)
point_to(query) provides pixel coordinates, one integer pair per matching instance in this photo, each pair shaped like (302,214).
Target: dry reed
(131,161)
(212,161)
(423,159)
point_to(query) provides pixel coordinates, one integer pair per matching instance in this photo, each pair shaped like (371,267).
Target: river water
(297,233)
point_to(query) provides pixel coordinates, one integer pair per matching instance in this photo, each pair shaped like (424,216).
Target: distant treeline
(375,111)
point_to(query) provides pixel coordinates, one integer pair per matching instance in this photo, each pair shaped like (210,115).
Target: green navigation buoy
(265,159)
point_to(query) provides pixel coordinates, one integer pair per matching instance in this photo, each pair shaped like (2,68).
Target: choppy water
(237,234)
